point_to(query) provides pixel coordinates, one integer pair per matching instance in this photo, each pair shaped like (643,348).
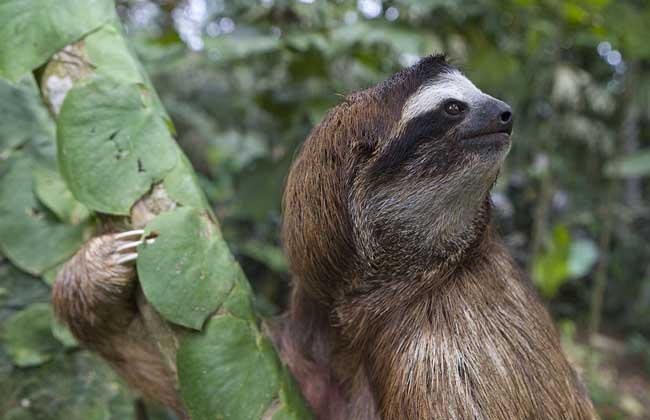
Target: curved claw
(127,245)
(129,234)
(133,245)
(127,258)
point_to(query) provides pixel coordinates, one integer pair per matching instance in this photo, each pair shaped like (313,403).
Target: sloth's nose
(490,116)
(504,117)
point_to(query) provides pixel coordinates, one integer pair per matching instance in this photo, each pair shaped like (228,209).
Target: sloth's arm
(95,295)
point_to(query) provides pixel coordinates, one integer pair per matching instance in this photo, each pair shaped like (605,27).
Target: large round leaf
(30,235)
(183,186)
(28,337)
(33,30)
(111,56)
(23,117)
(228,372)
(188,271)
(52,191)
(113,144)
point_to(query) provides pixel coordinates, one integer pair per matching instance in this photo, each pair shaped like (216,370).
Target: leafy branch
(116,164)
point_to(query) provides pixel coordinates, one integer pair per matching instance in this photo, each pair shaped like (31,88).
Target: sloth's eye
(454,107)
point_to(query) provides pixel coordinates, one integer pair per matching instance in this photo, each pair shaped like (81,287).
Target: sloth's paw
(126,245)
(94,291)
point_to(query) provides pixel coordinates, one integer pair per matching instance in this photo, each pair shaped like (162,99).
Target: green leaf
(551,266)
(188,271)
(268,254)
(260,188)
(19,290)
(33,30)
(30,236)
(182,185)
(234,150)
(111,56)
(49,276)
(72,386)
(229,371)
(29,338)
(113,144)
(52,191)
(239,302)
(62,333)
(630,166)
(23,117)
(292,405)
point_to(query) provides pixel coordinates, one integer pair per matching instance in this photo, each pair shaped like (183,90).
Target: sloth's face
(394,175)
(447,123)
(451,109)
(431,171)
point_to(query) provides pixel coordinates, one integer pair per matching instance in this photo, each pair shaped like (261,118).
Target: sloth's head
(395,178)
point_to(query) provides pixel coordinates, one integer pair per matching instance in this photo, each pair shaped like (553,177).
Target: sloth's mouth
(493,140)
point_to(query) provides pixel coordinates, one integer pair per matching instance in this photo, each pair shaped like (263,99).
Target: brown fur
(405,305)
(96,298)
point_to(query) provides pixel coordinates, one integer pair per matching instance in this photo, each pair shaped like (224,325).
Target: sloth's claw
(124,246)
(127,244)
(125,258)
(130,234)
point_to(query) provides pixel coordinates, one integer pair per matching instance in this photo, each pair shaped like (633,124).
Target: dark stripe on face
(430,126)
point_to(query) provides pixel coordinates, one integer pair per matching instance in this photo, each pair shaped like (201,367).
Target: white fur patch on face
(450,85)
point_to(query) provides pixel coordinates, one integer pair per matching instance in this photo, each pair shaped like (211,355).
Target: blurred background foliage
(244,82)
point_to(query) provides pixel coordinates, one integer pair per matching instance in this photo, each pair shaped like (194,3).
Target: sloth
(405,303)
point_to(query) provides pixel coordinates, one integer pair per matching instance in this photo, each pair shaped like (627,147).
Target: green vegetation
(243,82)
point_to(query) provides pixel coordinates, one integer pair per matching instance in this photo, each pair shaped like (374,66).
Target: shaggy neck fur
(462,341)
